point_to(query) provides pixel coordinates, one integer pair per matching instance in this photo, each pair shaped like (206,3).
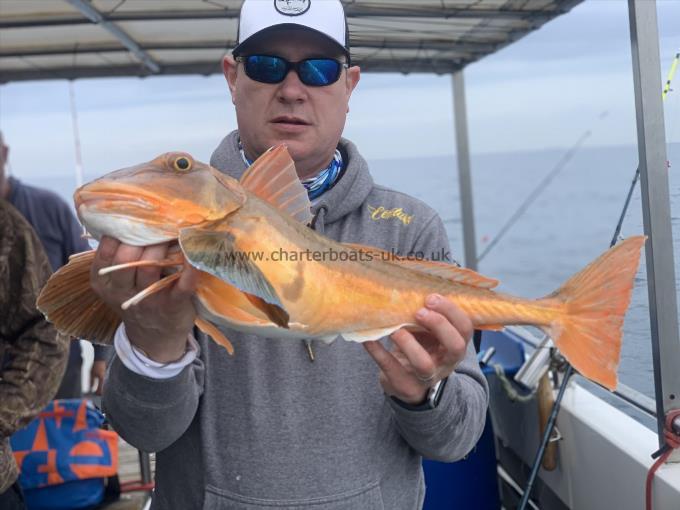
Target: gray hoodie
(267,428)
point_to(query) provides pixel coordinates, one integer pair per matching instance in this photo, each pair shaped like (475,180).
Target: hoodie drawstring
(318,223)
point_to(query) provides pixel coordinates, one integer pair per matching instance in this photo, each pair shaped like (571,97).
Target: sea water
(568,225)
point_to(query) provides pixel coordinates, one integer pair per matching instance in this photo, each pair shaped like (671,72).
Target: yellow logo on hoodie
(380,213)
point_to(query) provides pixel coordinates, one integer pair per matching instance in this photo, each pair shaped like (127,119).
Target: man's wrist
(139,363)
(169,351)
(431,401)
(152,362)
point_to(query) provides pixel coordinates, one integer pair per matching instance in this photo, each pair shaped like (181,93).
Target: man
(268,428)
(60,234)
(32,355)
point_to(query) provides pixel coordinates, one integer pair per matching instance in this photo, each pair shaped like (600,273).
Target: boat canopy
(102,38)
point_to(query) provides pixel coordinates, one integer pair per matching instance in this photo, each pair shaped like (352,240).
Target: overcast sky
(541,92)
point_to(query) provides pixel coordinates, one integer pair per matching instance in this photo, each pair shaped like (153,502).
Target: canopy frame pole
(98,18)
(663,311)
(464,177)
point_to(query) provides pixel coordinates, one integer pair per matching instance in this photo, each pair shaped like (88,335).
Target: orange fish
(263,271)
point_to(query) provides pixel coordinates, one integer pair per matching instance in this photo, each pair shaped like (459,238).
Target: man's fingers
(95,384)
(103,257)
(149,275)
(105,253)
(384,359)
(186,285)
(125,278)
(421,361)
(447,322)
(456,316)
(97,373)
(447,344)
(395,378)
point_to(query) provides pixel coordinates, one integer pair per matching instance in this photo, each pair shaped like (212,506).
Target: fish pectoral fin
(223,304)
(68,301)
(213,332)
(273,178)
(275,313)
(216,253)
(441,269)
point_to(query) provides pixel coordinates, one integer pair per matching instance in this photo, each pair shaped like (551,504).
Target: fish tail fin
(68,301)
(594,303)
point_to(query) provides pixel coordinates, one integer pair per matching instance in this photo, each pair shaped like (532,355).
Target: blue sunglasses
(314,72)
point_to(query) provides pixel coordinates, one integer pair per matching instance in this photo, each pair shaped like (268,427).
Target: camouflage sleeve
(33,356)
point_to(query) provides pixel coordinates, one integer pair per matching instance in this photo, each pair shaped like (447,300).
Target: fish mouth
(112,197)
(126,213)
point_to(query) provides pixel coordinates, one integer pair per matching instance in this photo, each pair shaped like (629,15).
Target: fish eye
(182,164)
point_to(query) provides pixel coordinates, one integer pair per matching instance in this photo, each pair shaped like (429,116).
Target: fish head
(149,203)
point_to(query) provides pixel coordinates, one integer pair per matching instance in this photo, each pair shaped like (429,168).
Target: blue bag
(64,456)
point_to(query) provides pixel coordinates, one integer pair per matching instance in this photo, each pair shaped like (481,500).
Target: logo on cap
(292,7)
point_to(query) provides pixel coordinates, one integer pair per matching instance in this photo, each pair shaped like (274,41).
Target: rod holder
(536,365)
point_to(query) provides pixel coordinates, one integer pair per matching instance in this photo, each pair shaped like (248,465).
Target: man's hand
(161,323)
(97,373)
(420,360)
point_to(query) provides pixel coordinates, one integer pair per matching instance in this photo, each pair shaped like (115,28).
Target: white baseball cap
(327,17)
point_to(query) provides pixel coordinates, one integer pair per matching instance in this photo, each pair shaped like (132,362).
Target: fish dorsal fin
(441,269)
(213,249)
(272,177)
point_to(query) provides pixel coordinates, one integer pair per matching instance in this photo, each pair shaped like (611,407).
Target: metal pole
(663,311)
(76,135)
(145,467)
(90,12)
(464,179)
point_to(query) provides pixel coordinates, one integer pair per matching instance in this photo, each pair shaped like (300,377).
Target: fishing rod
(671,73)
(537,191)
(550,425)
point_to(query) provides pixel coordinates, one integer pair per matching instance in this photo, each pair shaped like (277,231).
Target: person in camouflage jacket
(32,354)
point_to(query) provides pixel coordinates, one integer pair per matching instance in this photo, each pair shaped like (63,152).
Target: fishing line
(537,191)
